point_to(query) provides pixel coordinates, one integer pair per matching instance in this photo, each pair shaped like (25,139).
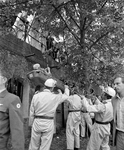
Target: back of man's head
(50,83)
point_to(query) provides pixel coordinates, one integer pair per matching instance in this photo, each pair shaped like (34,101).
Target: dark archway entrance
(15,86)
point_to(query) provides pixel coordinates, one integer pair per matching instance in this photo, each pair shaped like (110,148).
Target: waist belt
(107,122)
(74,110)
(44,117)
(120,131)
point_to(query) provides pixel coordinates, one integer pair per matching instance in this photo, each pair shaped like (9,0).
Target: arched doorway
(15,86)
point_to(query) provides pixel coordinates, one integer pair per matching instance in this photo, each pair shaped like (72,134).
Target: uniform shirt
(120,114)
(103,113)
(74,118)
(45,103)
(11,121)
(89,114)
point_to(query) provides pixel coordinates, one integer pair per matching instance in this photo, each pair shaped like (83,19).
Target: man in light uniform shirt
(42,111)
(118,107)
(103,116)
(86,119)
(73,121)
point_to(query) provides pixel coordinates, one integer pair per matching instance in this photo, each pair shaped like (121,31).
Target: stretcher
(38,77)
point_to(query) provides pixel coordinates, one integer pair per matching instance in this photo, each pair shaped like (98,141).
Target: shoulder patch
(18,105)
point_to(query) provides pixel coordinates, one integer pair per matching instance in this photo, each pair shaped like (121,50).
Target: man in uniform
(73,121)
(103,116)
(42,113)
(10,118)
(86,121)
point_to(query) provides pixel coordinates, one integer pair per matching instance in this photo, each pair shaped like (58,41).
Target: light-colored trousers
(97,141)
(73,137)
(85,120)
(41,137)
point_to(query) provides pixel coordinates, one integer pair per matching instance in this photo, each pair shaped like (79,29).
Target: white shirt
(45,104)
(120,114)
(103,113)
(74,118)
(75,104)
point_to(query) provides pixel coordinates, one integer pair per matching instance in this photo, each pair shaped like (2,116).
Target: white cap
(36,66)
(50,83)
(110,91)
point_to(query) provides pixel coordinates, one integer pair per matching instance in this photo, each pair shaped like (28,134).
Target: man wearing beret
(11,121)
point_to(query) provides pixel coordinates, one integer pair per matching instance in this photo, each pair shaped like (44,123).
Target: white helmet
(110,91)
(50,83)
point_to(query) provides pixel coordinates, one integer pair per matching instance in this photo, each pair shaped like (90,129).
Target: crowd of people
(107,111)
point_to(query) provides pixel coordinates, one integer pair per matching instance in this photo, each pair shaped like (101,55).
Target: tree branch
(82,30)
(97,40)
(74,34)
(101,7)
(77,39)
(72,17)
(75,8)
(98,11)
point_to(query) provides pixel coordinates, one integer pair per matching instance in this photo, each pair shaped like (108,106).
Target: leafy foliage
(92,32)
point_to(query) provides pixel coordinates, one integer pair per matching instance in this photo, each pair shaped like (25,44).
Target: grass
(59,139)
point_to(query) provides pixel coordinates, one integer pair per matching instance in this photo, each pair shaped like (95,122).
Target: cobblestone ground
(59,140)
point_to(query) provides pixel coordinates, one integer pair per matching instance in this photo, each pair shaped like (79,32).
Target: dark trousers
(120,140)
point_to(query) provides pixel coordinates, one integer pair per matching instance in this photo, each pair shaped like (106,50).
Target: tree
(92,35)
(92,32)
